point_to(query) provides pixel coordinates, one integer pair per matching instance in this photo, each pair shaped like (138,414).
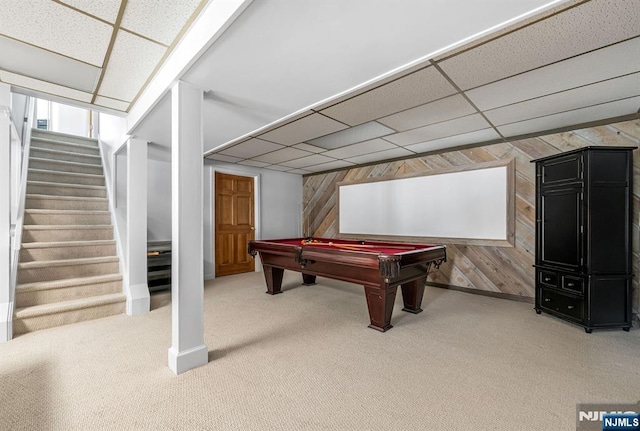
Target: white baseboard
(179,362)
(6,321)
(138,299)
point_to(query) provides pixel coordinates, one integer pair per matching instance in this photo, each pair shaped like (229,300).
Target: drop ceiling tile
(381,155)
(34,62)
(282,155)
(581,29)
(407,92)
(223,158)
(579,116)
(55,27)
(434,112)
(112,103)
(606,63)
(305,162)
(363,132)
(338,164)
(251,148)
(479,136)
(253,163)
(162,22)
(361,148)
(310,148)
(304,129)
(44,87)
(602,92)
(132,61)
(368,86)
(547,12)
(457,126)
(105,9)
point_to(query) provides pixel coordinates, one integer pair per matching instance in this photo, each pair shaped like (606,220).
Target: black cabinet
(158,265)
(583,236)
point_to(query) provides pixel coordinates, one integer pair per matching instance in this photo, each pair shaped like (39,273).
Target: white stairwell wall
(6,305)
(125,169)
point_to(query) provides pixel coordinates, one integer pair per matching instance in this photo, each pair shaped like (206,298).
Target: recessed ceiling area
(101,53)
(575,65)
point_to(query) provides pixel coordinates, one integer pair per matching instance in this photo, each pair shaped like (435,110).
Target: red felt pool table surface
(379,266)
(354,245)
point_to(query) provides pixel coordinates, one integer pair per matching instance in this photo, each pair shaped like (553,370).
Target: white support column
(138,301)
(187,279)
(6,306)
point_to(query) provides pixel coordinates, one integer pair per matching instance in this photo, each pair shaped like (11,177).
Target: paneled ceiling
(305,86)
(574,65)
(100,52)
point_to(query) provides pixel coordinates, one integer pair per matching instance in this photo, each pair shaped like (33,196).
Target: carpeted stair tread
(69,232)
(64,162)
(67,262)
(77,175)
(67,226)
(67,282)
(65,198)
(91,243)
(65,212)
(71,305)
(49,154)
(72,186)
(72,147)
(63,137)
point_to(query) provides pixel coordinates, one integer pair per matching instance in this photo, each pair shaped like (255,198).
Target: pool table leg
(412,294)
(273,277)
(380,303)
(308,279)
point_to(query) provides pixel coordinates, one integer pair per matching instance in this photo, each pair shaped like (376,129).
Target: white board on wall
(462,206)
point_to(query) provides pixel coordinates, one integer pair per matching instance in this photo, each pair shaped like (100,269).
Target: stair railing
(20,169)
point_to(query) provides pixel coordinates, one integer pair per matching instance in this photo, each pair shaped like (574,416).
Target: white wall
(113,133)
(158,199)
(280,209)
(69,119)
(18,110)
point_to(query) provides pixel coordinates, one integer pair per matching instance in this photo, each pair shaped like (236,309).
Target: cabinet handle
(570,307)
(570,284)
(547,279)
(547,299)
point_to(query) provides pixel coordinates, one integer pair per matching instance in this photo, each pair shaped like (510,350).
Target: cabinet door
(561,228)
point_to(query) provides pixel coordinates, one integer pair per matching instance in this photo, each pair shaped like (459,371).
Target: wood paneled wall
(506,270)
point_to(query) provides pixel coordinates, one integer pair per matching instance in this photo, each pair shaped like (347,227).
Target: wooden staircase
(68,268)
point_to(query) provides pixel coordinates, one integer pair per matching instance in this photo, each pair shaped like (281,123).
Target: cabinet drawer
(548,278)
(561,170)
(567,305)
(573,284)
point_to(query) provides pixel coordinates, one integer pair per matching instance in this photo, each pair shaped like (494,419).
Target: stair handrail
(16,228)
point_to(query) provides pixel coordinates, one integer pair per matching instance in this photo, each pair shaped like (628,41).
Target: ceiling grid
(93,52)
(577,63)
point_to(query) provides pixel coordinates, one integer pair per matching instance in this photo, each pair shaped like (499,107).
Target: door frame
(256,210)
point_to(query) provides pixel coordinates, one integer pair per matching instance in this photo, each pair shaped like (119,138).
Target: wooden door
(234,223)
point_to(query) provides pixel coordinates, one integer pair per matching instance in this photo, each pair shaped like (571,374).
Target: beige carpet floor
(305,360)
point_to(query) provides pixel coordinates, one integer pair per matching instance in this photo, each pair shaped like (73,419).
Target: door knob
(253,228)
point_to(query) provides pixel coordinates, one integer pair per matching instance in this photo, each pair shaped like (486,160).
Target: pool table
(379,266)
